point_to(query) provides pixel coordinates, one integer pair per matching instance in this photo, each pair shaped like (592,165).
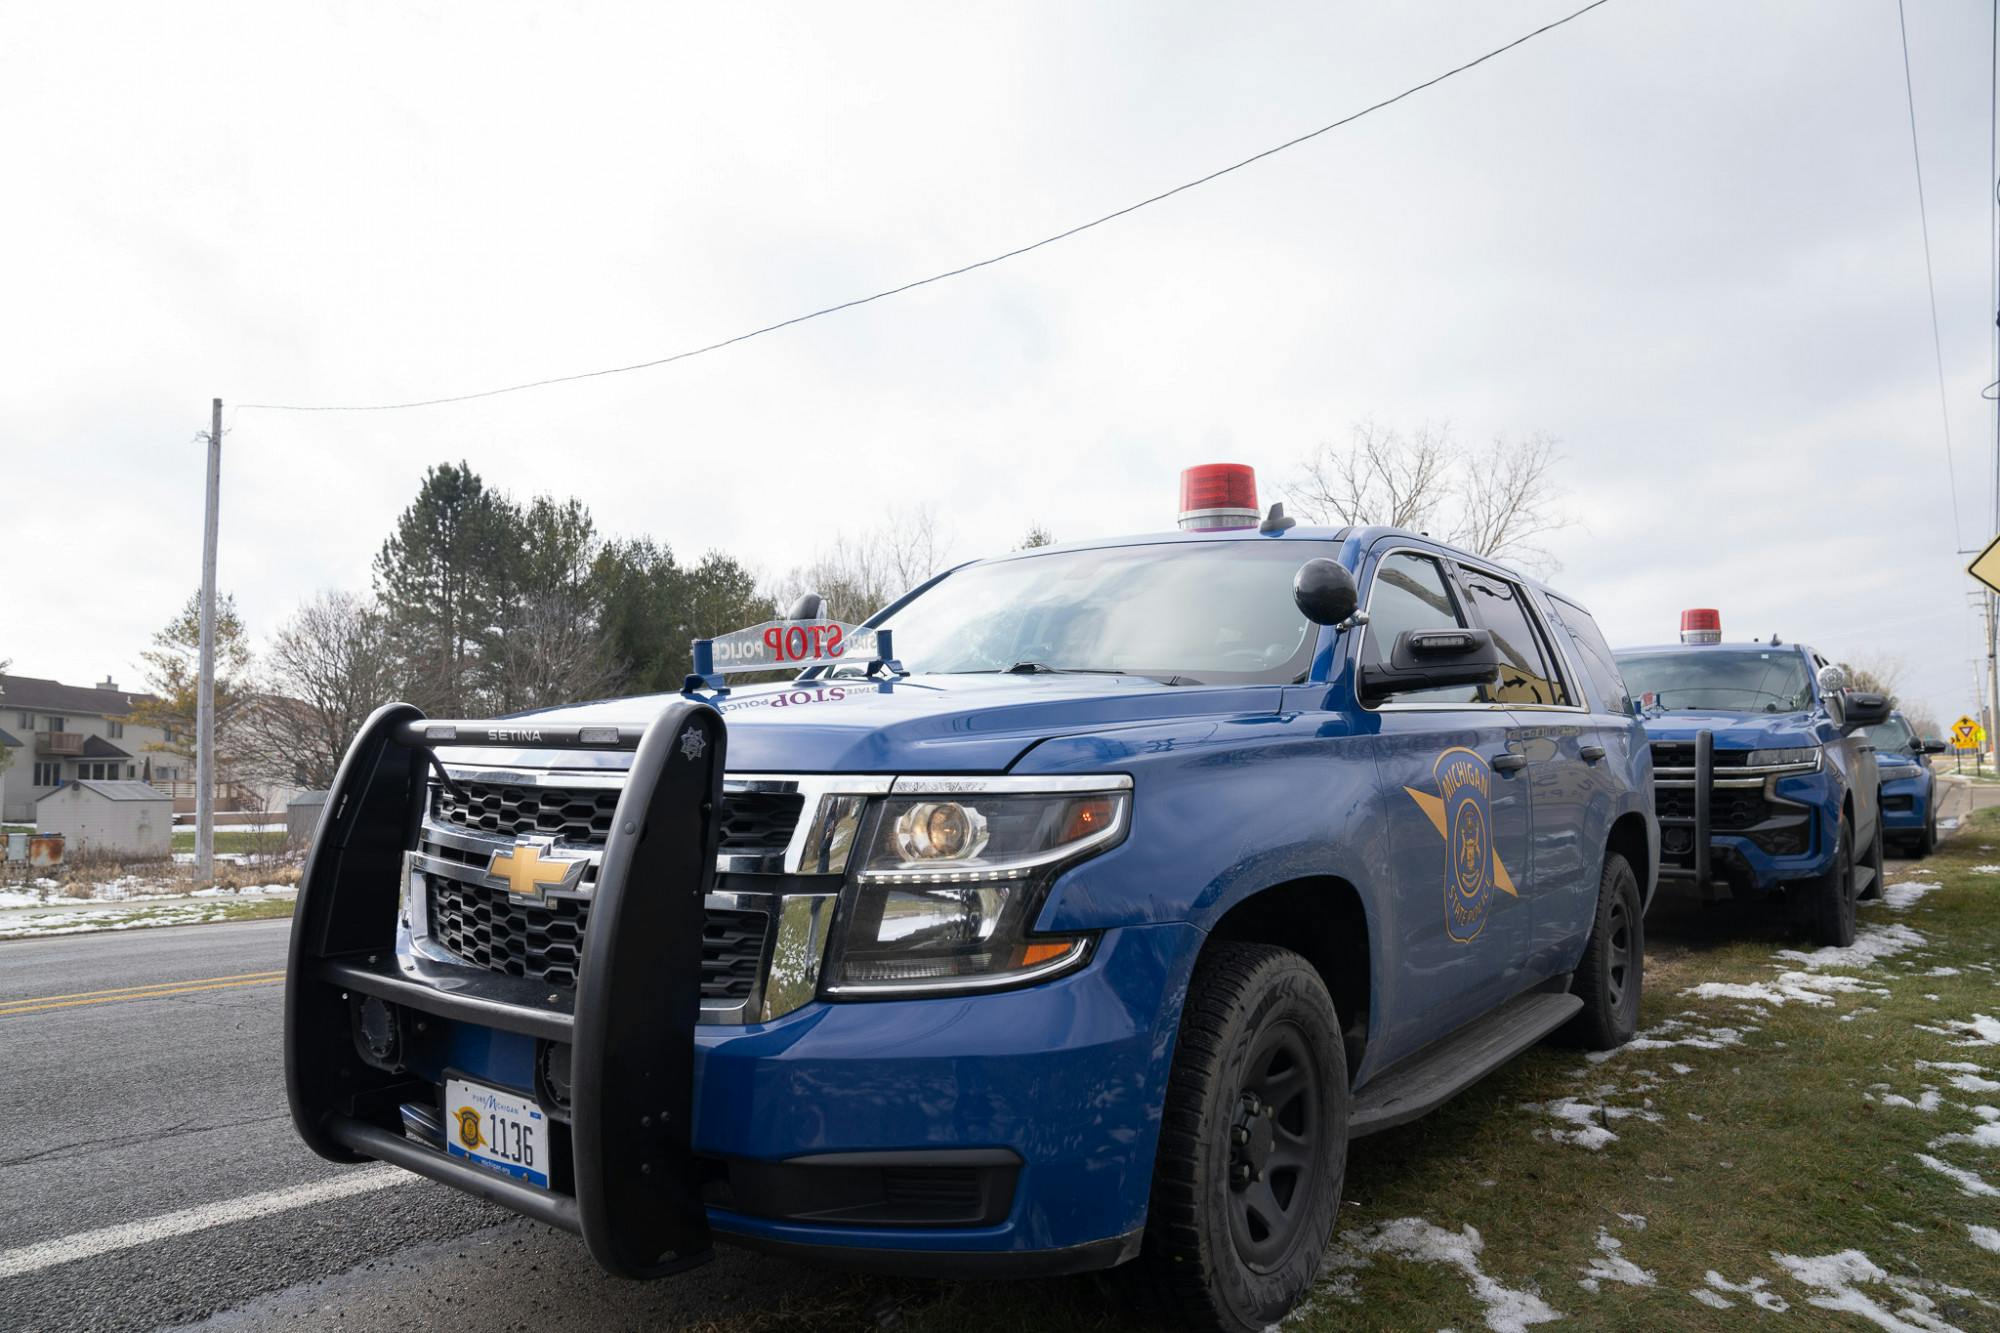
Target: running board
(1436,1075)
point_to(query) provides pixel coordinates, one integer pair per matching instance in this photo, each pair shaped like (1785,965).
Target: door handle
(1592,753)
(1509,763)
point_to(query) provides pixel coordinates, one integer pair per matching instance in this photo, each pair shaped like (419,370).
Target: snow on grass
(1507,1309)
(1986,870)
(1838,1279)
(1586,1124)
(1672,1032)
(1968,1183)
(1986,1238)
(1716,1294)
(1981,1031)
(1871,945)
(1803,987)
(1905,893)
(1927,1101)
(1612,1266)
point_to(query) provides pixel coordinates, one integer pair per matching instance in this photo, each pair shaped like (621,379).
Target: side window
(1410,592)
(1526,675)
(1598,661)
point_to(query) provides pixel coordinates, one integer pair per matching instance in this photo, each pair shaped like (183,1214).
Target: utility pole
(204,744)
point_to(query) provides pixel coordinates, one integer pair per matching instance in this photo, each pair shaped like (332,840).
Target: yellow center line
(151,985)
(38,1006)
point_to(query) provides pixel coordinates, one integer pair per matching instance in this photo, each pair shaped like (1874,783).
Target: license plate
(497,1129)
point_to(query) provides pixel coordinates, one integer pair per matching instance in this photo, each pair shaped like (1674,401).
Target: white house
(116,818)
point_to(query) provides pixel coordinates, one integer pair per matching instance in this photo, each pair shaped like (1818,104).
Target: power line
(949,273)
(1930,281)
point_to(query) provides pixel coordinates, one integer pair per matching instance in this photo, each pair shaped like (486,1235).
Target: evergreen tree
(440,576)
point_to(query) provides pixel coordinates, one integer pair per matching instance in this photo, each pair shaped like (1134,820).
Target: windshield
(1895,734)
(1189,613)
(1718,680)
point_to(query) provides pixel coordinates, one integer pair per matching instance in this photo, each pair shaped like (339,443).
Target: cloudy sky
(1681,237)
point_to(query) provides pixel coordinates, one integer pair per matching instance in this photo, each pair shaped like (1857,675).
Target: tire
(1253,1143)
(1875,862)
(1926,842)
(1613,970)
(1827,902)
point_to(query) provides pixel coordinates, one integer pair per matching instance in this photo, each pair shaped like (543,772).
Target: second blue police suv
(1765,771)
(1086,929)
(1908,785)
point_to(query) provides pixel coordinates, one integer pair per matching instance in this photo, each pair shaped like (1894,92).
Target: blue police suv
(1088,926)
(1908,786)
(1765,773)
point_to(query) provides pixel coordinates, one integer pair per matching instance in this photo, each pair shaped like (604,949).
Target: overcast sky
(1681,237)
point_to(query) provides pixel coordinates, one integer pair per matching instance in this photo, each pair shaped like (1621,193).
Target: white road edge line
(106,1240)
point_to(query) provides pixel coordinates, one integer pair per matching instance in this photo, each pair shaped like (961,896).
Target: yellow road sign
(1986,568)
(1967,734)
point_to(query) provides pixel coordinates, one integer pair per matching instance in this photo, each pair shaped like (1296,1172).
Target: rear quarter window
(1594,653)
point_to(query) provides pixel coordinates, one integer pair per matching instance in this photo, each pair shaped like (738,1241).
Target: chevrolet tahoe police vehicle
(1078,909)
(1764,771)
(1908,785)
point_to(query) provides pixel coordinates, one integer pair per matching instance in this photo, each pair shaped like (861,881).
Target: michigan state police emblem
(1461,812)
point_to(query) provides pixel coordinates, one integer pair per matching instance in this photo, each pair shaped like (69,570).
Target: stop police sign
(777,644)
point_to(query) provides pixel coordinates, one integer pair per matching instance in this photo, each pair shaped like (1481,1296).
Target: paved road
(149,1177)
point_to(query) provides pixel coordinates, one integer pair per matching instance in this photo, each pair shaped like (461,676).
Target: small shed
(128,819)
(302,814)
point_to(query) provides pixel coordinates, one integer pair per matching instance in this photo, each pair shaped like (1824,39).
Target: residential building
(56,734)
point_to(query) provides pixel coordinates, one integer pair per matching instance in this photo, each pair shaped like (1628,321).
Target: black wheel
(1827,903)
(1926,842)
(1253,1145)
(1875,862)
(1614,964)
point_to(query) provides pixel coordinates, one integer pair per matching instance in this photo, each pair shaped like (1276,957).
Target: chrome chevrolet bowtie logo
(530,868)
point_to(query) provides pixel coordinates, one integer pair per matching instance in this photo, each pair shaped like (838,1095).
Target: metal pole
(204,752)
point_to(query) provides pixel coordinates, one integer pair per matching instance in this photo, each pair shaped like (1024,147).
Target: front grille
(1680,754)
(485,928)
(1901,803)
(1728,807)
(752,822)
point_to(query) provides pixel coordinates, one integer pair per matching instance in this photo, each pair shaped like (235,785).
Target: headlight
(952,879)
(1806,757)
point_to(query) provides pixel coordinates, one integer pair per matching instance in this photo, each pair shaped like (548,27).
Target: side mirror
(1325,591)
(1932,745)
(1429,659)
(1863,710)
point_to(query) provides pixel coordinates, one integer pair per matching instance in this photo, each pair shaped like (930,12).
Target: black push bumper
(1685,848)
(629,1024)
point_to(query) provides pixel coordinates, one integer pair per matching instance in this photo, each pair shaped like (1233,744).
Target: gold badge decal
(1461,814)
(468,1128)
(530,868)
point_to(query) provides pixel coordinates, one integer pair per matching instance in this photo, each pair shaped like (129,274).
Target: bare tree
(859,575)
(553,652)
(1500,501)
(329,666)
(1508,500)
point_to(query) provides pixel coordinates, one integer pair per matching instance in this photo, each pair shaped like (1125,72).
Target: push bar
(629,1023)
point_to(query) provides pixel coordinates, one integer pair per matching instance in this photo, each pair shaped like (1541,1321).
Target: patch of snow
(1944,972)
(1985,1136)
(1613,1266)
(1926,1102)
(1871,945)
(1588,1122)
(1986,870)
(1636,1221)
(1981,1031)
(1757,1289)
(1838,1278)
(1711,1300)
(1804,987)
(1508,1310)
(1968,1183)
(1905,893)
(1674,1032)
(1986,1238)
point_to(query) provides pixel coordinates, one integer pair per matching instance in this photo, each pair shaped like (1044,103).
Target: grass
(140,915)
(1783,1143)
(233,842)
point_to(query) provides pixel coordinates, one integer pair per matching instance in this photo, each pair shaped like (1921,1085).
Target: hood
(1735,731)
(916,724)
